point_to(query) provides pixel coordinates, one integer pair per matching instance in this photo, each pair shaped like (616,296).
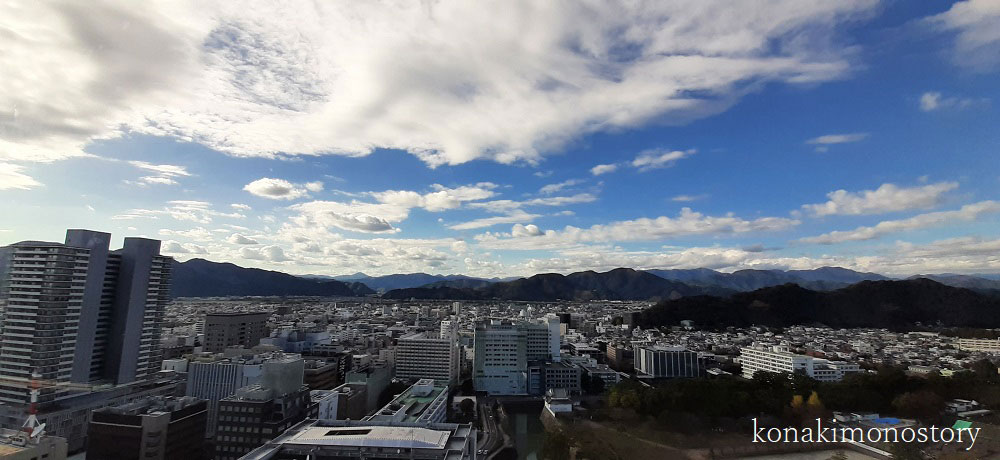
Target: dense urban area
(99,362)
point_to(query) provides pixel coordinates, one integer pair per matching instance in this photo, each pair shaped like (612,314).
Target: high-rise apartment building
(224,330)
(504,349)
(166,428)
(421,357)
(75,312)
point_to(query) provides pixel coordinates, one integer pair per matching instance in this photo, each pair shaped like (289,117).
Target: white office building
(777,359)
(421,357)
(502,350)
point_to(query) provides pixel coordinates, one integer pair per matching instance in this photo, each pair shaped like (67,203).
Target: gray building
(422,357)
(224,330)
(75,312)
(666,362)
(335,439)
(164,428)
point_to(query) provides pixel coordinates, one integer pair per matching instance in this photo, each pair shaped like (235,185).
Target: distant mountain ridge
(409,280)
(203,278)
(823,279)
(898,304)
(618,284)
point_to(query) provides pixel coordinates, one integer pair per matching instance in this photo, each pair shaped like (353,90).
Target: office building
(257,413)
(324,373)
(371,440)
(225,330)
(376,380)
(19,445)
(503,349)
(213,377)
(69,418)
(666,362)
(346,402)
(776,358)
(75,312)
(166,428)
(424,402)
(421,357)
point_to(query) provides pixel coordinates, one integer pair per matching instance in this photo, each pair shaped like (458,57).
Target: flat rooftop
(374,436)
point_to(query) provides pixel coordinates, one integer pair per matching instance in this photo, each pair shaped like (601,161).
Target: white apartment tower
(503,350)
(776,358)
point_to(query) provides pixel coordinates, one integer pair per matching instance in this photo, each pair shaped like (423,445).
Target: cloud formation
(969,212)
(645,229)
(280,189)
(976,24)
(885,199)
(12,178)
(269,80)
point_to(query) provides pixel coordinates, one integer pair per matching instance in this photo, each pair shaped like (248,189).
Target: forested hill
(879,304)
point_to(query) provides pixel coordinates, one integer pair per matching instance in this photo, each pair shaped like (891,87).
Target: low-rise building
(372,440)
(166,428)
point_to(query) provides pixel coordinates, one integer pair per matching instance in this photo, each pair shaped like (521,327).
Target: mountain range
(202,278)
(897,304)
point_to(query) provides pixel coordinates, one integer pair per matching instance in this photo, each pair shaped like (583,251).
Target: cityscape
(517,230)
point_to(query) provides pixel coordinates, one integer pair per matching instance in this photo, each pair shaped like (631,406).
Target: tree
(467,406)
(596,385)
(555,447)
(814,407)
(920,405)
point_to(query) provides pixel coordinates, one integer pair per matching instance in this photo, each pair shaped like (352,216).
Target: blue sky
(511,139)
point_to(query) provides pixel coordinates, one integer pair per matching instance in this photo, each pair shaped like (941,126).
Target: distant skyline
(510,138)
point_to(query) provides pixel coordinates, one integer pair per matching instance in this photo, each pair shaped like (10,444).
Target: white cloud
(198,234)
(659,158)
(237,238)
(182,210)
(171,247)
(555,188)
(518,230)
(969,212)
(240,207)
(516,216)
(443,198)
(604,169)
(830,139)
(977,24)
(885,199)
(644,229)
(11,177)
(314,187)
(508,205)
(688,198)
(162,174)
(933,100)
(280,189)
(262,79)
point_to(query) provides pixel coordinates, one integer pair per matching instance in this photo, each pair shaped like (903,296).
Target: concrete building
(164,428)
(324,373)
(75,312)
(980,345)
(346,402)
(297,341)
(225,330)
(422,357)
(776,358)
(666,362)
(376,380)
(17,445)
(333,440)
(70,417)
(213,377)
(503,350)
(257,413)
(424,402)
